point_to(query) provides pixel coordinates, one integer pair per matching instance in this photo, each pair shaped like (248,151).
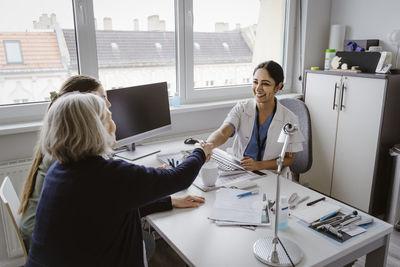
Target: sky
(17,15)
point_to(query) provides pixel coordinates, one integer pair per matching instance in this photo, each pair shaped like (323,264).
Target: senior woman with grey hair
(88,211)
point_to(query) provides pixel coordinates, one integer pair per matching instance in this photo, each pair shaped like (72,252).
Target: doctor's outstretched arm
(219,136)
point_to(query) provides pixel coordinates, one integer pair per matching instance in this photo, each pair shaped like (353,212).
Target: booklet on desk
(312,213)
(230,210)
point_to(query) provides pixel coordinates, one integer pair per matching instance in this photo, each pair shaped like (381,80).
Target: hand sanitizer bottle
(283,213)
(175,100)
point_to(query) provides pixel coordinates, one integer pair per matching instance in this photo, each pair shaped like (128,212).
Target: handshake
(207,148)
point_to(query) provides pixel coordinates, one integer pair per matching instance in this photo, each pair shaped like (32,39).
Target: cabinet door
(357,139)
(320,100)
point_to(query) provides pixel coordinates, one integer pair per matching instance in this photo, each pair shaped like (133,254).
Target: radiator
(17,172)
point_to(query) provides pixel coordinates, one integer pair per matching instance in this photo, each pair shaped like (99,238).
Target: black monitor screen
(139,109)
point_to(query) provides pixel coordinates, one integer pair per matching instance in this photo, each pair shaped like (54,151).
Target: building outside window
(34,59)
(203,53)
(135,42)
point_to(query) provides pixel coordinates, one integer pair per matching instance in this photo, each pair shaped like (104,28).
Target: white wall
(368,19)
(315,38)
(365,19)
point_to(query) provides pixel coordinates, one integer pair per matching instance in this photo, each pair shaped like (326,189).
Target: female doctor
(256,123)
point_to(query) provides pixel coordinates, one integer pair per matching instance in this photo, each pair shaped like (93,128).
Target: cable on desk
(287,254)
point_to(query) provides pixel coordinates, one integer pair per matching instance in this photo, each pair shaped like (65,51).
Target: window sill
(33,126)
(16,128)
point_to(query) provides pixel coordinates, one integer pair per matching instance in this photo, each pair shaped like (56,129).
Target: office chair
(11,200)
(303,160)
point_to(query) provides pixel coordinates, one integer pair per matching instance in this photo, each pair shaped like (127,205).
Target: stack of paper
(315,212)
(230,210)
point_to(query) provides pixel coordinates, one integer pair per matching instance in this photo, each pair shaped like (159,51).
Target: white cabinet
(347,113)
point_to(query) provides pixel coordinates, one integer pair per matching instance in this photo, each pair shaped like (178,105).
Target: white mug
(209,173)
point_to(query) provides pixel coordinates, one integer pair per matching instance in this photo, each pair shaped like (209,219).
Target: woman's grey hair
(75,128)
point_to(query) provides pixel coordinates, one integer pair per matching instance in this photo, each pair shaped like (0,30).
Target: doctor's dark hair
(274,69)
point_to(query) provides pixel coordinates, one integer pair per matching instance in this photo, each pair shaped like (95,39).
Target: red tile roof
(39,50)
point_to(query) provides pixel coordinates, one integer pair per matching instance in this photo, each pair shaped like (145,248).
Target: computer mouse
(190,141)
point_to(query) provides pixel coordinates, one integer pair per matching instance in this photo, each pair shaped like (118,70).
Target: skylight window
(114,46)
(13,52)
(226,46)
(158,46)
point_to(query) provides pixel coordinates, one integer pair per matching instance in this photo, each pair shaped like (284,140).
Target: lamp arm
(270,243)
(281,157)
(274,255)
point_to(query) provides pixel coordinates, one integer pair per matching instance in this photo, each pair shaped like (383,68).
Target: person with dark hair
(256,123)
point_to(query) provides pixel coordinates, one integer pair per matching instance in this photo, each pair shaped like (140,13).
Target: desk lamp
(269,250)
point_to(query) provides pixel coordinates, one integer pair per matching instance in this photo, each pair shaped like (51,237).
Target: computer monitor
(139,112)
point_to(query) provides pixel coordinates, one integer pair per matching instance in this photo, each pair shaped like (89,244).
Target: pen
(248,193)
(328,216)
(177,163)
(298,202)
(315,201)
(170,163)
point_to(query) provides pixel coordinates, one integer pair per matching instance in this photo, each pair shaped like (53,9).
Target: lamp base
(264,247)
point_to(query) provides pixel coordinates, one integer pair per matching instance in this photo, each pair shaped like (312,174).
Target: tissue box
(362,43)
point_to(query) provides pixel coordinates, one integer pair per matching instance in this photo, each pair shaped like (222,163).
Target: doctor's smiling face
(267,81)
(264,86)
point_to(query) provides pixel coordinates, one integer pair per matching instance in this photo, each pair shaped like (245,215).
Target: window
(205,50)
(135,42)
(33,58)
(13,52)
(228,43)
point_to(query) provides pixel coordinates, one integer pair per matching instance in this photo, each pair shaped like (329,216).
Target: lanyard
(261,143)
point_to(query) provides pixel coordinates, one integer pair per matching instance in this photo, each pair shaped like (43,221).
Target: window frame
(19,48)
(83,16)
(189,94)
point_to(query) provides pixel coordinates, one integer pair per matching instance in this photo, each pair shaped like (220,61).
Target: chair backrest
(303,159)
(11,201)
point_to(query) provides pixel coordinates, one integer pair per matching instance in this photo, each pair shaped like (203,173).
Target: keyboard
(226,162)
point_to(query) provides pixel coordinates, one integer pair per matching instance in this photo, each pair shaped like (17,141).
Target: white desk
(199,242)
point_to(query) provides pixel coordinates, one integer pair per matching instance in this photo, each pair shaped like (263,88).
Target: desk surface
(201,243)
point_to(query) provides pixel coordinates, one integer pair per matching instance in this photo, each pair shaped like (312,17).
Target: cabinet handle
(334,105)
(344,87)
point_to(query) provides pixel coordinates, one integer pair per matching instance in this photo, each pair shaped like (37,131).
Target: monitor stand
(137,152)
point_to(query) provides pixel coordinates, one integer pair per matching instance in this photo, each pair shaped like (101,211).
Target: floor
(393,259)
(166,257)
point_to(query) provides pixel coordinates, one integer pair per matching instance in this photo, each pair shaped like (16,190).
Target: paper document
(354,230)
(312,213)
(245,210)
(226,223)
